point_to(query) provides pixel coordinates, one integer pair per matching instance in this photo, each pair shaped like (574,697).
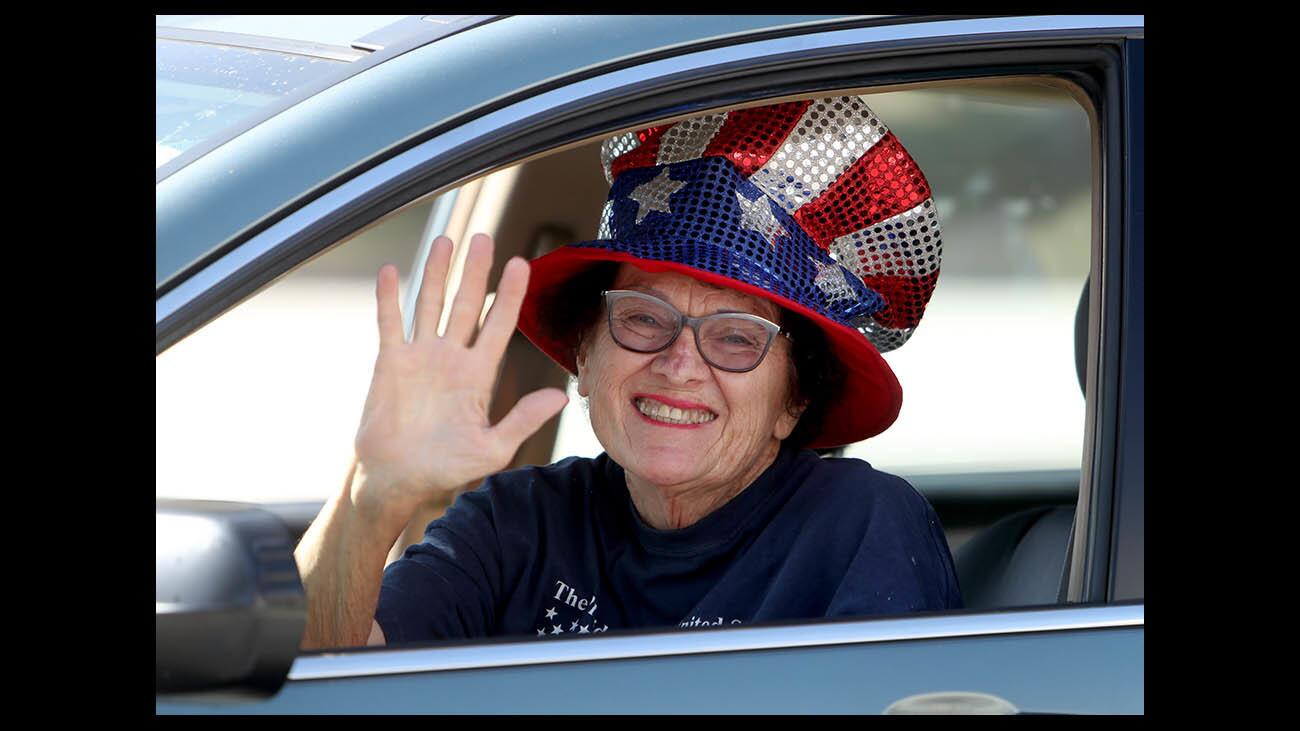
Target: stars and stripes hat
(813,205)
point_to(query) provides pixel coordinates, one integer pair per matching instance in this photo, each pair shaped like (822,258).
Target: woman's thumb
(529,414)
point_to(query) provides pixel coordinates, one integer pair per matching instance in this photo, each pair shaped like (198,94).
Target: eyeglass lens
(647,325)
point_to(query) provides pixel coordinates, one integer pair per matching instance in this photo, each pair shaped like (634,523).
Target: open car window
(268,396)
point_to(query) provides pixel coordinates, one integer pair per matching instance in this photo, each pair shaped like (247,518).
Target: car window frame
(668,642)
(1127,575)
(567,114)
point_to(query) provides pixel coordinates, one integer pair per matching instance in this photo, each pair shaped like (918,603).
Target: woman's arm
(341,560)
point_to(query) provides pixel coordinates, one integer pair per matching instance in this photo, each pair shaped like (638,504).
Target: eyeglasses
(728,341)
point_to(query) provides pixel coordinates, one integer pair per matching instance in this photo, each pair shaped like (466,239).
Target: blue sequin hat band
(704,214)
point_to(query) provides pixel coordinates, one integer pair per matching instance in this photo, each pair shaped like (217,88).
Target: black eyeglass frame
(613,295)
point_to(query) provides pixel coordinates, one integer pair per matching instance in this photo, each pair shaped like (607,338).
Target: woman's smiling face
(730,425)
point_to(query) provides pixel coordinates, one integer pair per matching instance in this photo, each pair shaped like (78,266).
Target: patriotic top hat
(813,205)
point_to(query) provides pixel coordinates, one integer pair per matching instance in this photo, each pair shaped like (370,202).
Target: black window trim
(1126,578)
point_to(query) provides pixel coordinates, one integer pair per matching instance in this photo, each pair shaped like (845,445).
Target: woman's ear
(788,420)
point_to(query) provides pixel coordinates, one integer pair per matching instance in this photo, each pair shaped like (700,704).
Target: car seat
(1020,559)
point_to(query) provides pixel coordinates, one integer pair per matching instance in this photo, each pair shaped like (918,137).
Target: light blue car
(294,150)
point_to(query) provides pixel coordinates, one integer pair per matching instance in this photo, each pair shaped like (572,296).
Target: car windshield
(203,89)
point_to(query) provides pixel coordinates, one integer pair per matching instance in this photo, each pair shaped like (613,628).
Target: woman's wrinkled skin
(678,475)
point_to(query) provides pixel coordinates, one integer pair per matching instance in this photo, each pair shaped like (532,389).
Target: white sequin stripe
(912,252)
(830,136)
(616,147)
(605,229)
(884,338)
(687,139)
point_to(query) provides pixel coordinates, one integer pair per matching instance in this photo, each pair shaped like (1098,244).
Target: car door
(1082,655)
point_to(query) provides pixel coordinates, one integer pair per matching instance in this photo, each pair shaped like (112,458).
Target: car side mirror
(230,608)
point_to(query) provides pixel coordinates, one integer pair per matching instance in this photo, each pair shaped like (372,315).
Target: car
(294,155)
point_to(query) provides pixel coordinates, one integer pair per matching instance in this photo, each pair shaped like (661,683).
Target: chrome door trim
(916,35)
(532,651)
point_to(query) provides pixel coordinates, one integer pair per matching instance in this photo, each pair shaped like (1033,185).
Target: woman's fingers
(504,315)
(390,314)
(422,396)
(528,416)
(468,304)
(428,308)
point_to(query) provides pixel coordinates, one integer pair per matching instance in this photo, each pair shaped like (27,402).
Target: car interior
(1008,530)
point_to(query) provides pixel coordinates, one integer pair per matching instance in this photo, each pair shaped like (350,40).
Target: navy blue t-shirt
(560,549)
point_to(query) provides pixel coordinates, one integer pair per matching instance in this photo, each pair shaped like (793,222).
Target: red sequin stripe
(905,298)
(750,137)
(644,155)
(884,182)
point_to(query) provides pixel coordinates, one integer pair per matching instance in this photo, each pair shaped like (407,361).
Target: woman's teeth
(672,414)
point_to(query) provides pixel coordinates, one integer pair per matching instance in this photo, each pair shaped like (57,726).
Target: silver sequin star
(756,215)
(830,280)
(653,194)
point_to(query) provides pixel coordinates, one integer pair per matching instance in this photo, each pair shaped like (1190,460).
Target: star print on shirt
(756,215)
(583,630)
(550,613)
(541,632)
(653,195)
(573,626)
(556,629)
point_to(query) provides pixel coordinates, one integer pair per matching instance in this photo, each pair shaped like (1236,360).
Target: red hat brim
(871,397)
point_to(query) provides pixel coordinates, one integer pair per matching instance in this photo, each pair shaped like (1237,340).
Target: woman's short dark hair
(573,309)
(817,375)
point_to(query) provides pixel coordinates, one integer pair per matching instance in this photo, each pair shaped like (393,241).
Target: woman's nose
(682,359)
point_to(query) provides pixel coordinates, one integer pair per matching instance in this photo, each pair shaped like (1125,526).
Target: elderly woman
(749,269)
